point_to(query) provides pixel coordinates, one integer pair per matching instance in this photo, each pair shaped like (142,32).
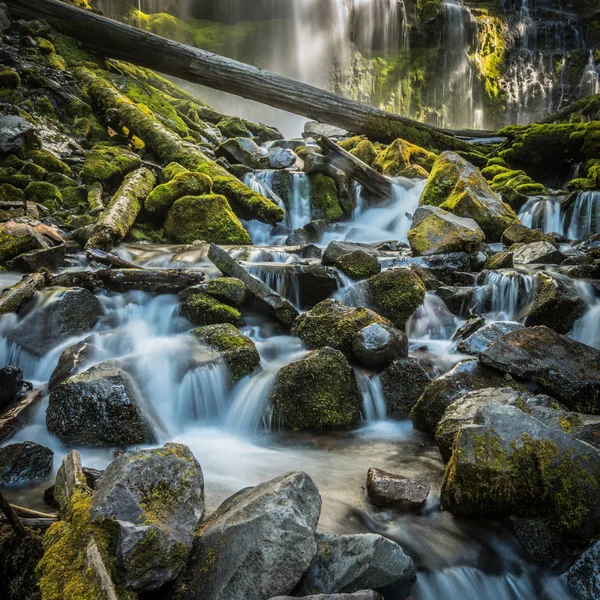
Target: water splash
(374,408)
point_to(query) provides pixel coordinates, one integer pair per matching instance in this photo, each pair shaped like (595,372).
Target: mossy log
(192,64)
(169,147)
(120,215)
(108,259)
(22,291)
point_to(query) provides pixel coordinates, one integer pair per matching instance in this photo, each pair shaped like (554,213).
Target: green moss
(51,163)
(75,197)
(226,289)
(172,170)
(12,161)
(9,78)
(303,151)
(582,184)
(34,171)
(365,151)
(44,107)
(531,189)
(492,170)
(401,154)
(351,143)
(70,50)
(160,200)
(44,193)
(202,309)
(9,193)
(45,46)
(358,265)
(324,198)
(108,164)
(11,176)
(233,127)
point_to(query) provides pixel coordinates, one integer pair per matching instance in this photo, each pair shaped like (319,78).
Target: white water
(503,294)
(587,328)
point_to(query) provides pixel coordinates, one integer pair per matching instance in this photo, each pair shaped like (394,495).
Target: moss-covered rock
(401,154)
(18,559)
(365,151)
(358,264)
(319,391)
(458,187)
(44,193)
(9,79)
(51,163)
(324,198)
(237,350)
(109,164)
(162,197)
(493,170)
(226,289)
(208,217)
(232,127)
(13,177)
(520,234)
(202,309)
(172,170)
(396,294)
(10,193)
(34,171)
(500,260)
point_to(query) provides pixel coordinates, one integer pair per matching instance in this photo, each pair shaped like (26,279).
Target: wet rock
(477,342)
(468,328)
(520,234)
(46,258)
(236,349)
(256,545)
(337,249)
(555,305)
(225,289)
(332,323)
(24,463)
(311,233)
(402,383)
(362,595)
(156,498)
(457,299)
(346,563)
(541,253)
(315,282)
(16,135)
(564,368)
(245,151)
(441,266)
(441,392)
(69,313)
(319,391)
(280,158)
(583,578)
(436,231)
(395,491)
(310,251)
(377,345)
(12,385)
(202,309)
(358,265)
(509,464)
(501,260)
(18,238)
(395,294)
(541,538)
(101,406)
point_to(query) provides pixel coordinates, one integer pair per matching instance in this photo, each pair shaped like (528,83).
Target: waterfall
(543,212)
(503,294)
(374,408)
(587,329)
(585,216)
(590,81)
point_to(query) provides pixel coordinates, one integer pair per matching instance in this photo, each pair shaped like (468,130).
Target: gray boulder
(24,463)
(478,341)
(280,158)
(311,233)
(395,491)
(403,382)
(72,360)
(540,253)
(256,545)
(377,345)
(337,249)
(458,299)
(346,563)
(16,134)
(243,151)
(101,406)
(156,498)
(583,578)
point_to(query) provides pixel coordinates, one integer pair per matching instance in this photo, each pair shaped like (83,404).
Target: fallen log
(169,147)
(17,415)
(94,198)
(42,524)
(109,259)
(28,512)
(568,110)
(120,215)
(117,40)
(264,296)
(12,517)
(13,298)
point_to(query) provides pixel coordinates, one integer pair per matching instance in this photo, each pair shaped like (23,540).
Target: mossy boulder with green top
(324,198)
(202,309)
(401,154)
(358,264)
(162,197)
(109,164)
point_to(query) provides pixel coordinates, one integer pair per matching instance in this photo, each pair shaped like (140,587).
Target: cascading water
(590,81)
(502,295)
(587,328)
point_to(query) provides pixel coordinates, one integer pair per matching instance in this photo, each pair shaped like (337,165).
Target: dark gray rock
(583,578)
(16,134)
(395,491)
(477,342)
(468,328)
(24,463)
(345,563)
(256,545)
(12,385)
(244,151)
(541,253)
(157,500)
(337,249)
(377,345)
(403,382)
(441,266)
(311,233)
(71,361)
(457,299)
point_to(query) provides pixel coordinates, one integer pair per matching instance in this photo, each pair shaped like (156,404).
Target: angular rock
(311,233)
(520,234)
(458,299)
(256,545)
(402,383)
(540,253)
(72,360)
(346,563)
(101,406)
(12,385)
(468,328)
(583,578)
(377,345)
(25,462)
(281,158)
(436,231)
(567,370)
(16,134)
(320,391)
(358,265)
(477,342)
(225,289)
(202,309)
(245,151)
(19,238)
(157,500)
(395,491)
(336,249)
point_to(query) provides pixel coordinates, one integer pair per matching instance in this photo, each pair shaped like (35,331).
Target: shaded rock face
(520,234)
(344,563)
(17,238)
(256,545)
(331,399)
(541,253)
(71,361)
(509,463)
(403,382)
(24,463)
(564,368)
(101,406)
(70,313)
(395,491)
(583,578)
(12,385)
(436,231)
(17,134)
(477,342)
(157,499)
(377,345)
(337,249)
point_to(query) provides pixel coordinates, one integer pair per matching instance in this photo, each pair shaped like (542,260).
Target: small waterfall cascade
(379,24)
(374,408)
(543,212)
(587,329)
(583,218)
(503,294)
(590,81)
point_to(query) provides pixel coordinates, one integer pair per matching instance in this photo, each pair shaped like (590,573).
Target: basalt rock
(23,463)
(402,383)
(358,265)
(477,342)
(377,345)
(388,490)
(12,385)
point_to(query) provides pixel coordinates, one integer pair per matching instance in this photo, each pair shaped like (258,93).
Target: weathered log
(169,147)
(93,561)
(12,517)
(69,476)
(109,259)
(13,298)
(571,108)
(28,512)
(17,415)
(265,297)
(120,215)
(36,523)
(192,64)
(376,183)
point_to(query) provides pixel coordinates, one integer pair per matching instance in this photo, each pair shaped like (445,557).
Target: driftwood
(108,259)
(12,517)
(17,415)
(13,298)
(36,523)
(116,40)
(265,297)
(119,216)
(28,512)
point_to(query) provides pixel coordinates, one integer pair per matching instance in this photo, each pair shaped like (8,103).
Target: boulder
(377,345)
(242,150)
(24,463)
(441,392)
(109,165)
(520,234)
(236,349)
(346,563)
(281,158)
(395,491)
(12,385)
(468,328)
(185,183)
(69,313)
(229,290)
(436,231)
(567,370)
(401,154)
(311,233)
(555,305)
(320,391)
(583,578)
(395,294)
(324,198)
(256,545)
(358,264)
(16,134)
(332,323)
(478,341)
(155,498)
(457,186)
(337,249)
(202,309)
(458,299)
(402,383)
(19,238)
(101,406)
(539,253)
(71,361)
(501,260)
(440,266)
